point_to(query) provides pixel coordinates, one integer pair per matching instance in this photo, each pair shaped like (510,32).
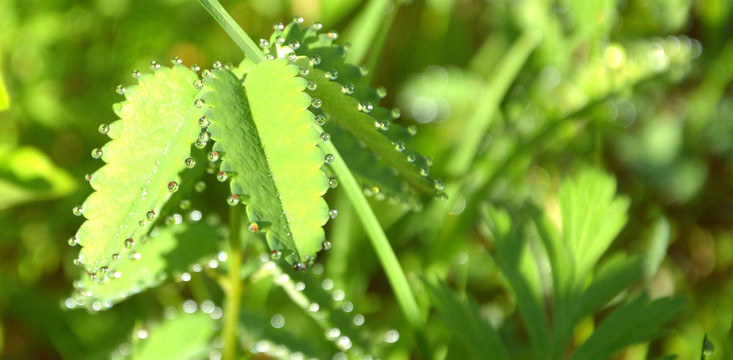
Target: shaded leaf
(187,336)
(161,256)
(27,174)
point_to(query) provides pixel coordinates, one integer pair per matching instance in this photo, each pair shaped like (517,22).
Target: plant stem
(233,30)
(233,290)
(395,275)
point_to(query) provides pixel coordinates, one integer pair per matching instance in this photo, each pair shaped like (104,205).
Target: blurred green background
(647,84)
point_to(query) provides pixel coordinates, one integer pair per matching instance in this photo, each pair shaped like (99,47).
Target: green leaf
(187,336)
(511,255)
(634,322)
(612,278)
(465,321)
(344,101)
(150,144)
(164,254)
(268,143)
(27,174)
(592,216)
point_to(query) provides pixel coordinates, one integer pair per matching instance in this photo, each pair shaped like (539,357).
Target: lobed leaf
(162,255)
(150,144)
(267,141)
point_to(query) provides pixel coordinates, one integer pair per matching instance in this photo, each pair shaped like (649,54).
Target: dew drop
(129,242)
(154,65)
(233,200)
(216,65)
(363,70)
(441,195)
(176,60)
(103,129)
(200,144)
(329,158)
(264,43)
(204,122)
(333,34)
(396,113)
(190,163)
(399,146)
(366,107)
(707,347)
(412,130)
(199,103)
(77,210)
(206,73)
(316,102)
(93,276)
(299,266)
(253,227)
(121,89)
(298,19)
(316,59)
(332,74)
(348,89)
(269,57)
(172,186)
(73,241)
(320,120)
(311,85)
(304,71)
(200,186)
(185,204)
(292,57)
(141,223)
(325,136)
(333,183)
(135,74)
(213,156)
(97,153)
(317,26)
(222,176)
(347,46)
(333,213)
(198,84)
(195,68)
(326,245)
(382,92)
(278,26)
(276,254)
(429,160)
(135,255)
(116,107)
(424,172)
(104,269)
(77,261)
(204,136)
(280,40)
(438,185)
(410,158)
(88,177)
(115,256)
(295,45)
(150,215)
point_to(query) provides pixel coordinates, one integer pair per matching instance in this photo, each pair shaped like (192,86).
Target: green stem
(395,275)
(233,291)
(233,30)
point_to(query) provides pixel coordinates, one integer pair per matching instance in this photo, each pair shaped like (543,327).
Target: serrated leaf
(150,143)
(268,143)
(160,257)
(187,336)
(383,159)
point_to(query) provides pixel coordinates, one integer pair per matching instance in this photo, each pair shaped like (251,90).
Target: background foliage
(639,89)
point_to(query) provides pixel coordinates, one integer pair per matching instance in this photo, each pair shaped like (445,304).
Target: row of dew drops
(213,156)
(314,310)
(347,89)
